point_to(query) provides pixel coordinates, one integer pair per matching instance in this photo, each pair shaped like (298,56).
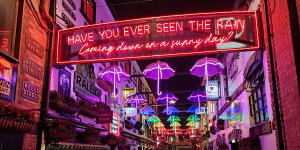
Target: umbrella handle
(114,82)
(158,75)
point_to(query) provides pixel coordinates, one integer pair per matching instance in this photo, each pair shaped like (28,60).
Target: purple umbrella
(198,96)
(114,73)
(136,99)
(158,70)
(171,110)
(167,97)
(147,111)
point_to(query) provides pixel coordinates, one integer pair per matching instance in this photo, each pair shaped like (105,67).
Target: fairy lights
(164,36)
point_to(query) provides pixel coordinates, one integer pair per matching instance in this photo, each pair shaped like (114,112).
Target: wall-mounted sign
(261,129)
(115,125)
(34,46)
(85,88)
(32,68)
(30,91)
(72,4)
(166,36)
(64,82)
(236,112)
(104,116)
(8,77)
(128,92)
(67,8)
(4,41)
(67,21)
(129,112)
(212,90)
(234,68)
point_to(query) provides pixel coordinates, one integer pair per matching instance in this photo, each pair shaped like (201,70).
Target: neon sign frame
(118,125)
(151,45)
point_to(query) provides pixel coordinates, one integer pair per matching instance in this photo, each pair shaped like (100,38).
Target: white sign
(115,125)
(129,112)
(212,90)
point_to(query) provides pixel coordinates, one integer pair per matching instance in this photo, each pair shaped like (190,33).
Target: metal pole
(272,65)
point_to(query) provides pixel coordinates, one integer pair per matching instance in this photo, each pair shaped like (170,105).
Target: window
(7,14)
(88,10)
(258,102)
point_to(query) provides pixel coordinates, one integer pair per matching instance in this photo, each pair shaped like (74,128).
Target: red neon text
(136,30)
(169,27)
(200,25)
(230,24)
(80,38)
(109,33)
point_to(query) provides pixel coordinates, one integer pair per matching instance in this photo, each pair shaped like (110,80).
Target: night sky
(182,84)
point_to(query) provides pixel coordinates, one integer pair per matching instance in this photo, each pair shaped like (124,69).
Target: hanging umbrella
(158,124)
(193,118)
(158,70)
(175,124)
(154,119)
(207,67)
(197,96)
(136,99)
(114,74)
(192,124)
(147,111)
(195,110)
(167,97)
(171,110)
(174,118)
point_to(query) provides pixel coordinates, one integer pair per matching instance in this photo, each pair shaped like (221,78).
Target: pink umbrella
(114,73)
(158,70)
(136,99)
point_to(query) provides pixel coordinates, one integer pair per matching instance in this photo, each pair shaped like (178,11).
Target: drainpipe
(44,9)
(275,94)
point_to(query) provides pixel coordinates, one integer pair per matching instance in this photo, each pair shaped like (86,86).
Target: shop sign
(261,129)
(128,92)
(8,77)
(129,112)
(64,84)
(115,125)
(104,116)
(165,36)
(85,88)
(34,46)
(212,90)
(234,69)
(4,41)
(67,8)
(32,68)
(30,91)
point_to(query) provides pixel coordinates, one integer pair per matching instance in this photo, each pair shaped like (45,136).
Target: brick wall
(285,71)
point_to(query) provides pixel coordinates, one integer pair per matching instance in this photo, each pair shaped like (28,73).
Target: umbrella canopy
(154,119)
(207,67)
(136,99)
(192,124)
(158,70)
(198,96)
(195,110)
(158,124)
(171,110)
(175,124)
(114,74)
(147,111)
(166,97)
(193,118)
(174,118)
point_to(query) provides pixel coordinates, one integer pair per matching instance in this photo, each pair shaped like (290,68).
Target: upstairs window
(88,9)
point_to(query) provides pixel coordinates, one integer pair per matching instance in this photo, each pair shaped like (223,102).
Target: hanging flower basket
(13,119)
(91,135)
(61,129)
(87,108)
(63,103)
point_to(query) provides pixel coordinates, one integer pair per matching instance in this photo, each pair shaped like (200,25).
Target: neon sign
(115,125)
(155,37)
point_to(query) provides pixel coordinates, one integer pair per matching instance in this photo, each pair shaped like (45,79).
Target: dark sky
(182,83)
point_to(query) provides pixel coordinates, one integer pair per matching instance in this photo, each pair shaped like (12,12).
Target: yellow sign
(128,92)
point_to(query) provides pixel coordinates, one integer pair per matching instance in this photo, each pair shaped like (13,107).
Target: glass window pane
(266,114)
(256,106)
(258,93)
(254,96)
(263,90)
(260,104)
(265,101)
(257,117)
(262,116)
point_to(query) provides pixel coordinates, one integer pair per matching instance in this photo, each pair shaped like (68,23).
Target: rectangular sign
(84,87)
(115,125)
(30,91)
(212,90)
(8,77)
(129,112)
(104,116)
(165,36)
(128,92)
